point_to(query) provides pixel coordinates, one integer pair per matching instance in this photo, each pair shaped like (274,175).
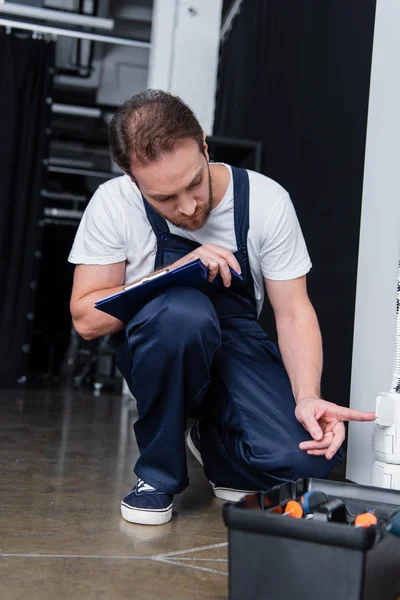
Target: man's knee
(293,465)
(303,465)
(190,309)
(180,314)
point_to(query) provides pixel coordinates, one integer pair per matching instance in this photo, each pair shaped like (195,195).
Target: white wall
(184,55)
(379,239)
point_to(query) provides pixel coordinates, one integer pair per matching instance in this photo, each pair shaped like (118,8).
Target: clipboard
(123,305)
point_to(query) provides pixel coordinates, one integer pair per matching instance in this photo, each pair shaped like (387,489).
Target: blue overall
(204,354)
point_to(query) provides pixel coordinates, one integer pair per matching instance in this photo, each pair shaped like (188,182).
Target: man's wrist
(299,397)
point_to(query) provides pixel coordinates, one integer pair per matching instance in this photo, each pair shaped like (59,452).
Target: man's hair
(149,125)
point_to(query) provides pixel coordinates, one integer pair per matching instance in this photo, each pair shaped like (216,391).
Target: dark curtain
(25,78)
(52,328)
(295,75)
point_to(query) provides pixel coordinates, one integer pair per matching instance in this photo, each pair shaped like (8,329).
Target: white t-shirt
(115,228)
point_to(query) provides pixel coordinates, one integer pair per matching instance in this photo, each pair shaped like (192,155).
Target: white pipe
(81,35)
(396,362)
(60,16)
(70,162)
(63,213)
(83,172)
(78,111)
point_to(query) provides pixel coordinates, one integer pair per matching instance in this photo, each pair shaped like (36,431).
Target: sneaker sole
(230,495)
(227,494)
(146,517)
(193,448)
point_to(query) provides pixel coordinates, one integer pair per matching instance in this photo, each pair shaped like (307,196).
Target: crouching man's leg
(165,356)
(252,441)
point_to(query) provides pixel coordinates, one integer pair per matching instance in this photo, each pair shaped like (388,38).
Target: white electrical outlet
(386,442)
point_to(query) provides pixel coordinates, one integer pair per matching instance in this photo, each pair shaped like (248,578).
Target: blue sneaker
(147,506)
(224,493)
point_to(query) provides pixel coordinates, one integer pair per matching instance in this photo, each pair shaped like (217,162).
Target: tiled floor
(66,463)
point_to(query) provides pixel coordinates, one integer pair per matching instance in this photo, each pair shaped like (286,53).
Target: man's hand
(216,259)
(324,421)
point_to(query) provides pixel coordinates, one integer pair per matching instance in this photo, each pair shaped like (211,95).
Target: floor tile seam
(151,558)
(202,559)
(106,556)
(91,556)
(161,556)
(188,550)
(194,567)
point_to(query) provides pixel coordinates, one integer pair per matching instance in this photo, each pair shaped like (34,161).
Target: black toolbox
(272,557)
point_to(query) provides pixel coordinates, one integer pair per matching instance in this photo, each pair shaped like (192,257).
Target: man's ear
(131,177)
(205,146)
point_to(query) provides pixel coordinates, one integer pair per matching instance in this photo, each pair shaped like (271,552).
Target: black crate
(272,557)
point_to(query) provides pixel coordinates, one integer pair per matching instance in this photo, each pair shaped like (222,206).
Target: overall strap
(157,222)
(241,195)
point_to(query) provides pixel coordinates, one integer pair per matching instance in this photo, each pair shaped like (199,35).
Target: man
(261,420)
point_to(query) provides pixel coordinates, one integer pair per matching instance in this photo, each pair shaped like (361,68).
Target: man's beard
(200,215)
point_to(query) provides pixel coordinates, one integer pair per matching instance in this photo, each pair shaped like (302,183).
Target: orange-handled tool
(365,520)
(293,509)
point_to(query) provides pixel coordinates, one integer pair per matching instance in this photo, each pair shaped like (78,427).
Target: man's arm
(299,335)
(91,283)
(300,344)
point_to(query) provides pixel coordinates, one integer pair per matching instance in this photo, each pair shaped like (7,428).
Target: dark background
(295,75)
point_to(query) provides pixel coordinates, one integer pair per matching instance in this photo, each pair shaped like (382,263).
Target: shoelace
(142,486)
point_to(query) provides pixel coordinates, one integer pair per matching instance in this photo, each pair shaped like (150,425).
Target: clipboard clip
(146,279)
